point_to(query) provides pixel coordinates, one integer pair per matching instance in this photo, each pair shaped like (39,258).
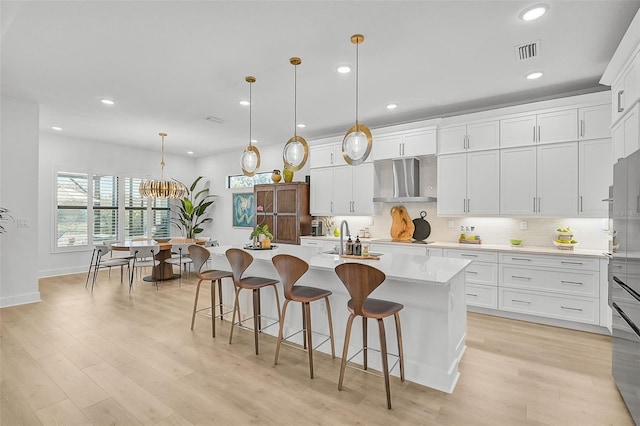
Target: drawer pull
(521,301)
(571,309)
(472,272)
(521,258)
(520,278)
(468,255)
(472,295)
(571,282)
(570,263)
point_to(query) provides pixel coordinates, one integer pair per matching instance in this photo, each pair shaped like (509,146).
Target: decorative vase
(276,176)
(266,243)
(336,232)
(288,175)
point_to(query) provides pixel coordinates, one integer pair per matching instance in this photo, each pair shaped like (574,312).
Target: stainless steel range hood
(406,183)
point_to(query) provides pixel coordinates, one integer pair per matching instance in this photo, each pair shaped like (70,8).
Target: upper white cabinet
(595,174)
(413,143)
(469,183)
(549,127)
(342,190)
(469,137)
(625,134)
(324,155)
(625,90)
(595,122)
(321,191)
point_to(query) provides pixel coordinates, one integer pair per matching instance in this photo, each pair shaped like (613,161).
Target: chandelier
(296,150)
(162,188)
(250,159)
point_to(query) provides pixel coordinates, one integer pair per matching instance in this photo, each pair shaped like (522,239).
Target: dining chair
(98,262)
(143,257)
(182,260)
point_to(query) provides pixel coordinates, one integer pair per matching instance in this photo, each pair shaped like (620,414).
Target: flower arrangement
(261,229)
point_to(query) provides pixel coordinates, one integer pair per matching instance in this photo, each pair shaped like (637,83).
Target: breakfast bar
(432,290)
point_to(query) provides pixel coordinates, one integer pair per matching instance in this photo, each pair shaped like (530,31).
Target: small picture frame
(243,210)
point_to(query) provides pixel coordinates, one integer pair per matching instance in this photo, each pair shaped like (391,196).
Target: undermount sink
(337,252)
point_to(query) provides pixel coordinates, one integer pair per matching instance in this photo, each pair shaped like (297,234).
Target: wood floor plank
(62,413)
(14,408)
(109,412)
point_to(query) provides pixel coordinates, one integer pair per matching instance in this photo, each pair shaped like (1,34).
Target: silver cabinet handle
(571,309)
(570,263)
(521,258)
(468,205)
(521,301)
(332,206)
(571,282)
(539,137)
(581,127)
(539,204)
(534,204)
(534,134)
(520,278)
(472,272)
(331,158)
(472,295)
(581,204)
(620,93)
(468,142)
(468,255)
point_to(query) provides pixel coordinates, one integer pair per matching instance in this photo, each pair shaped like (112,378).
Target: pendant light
(162,188)
(356,144)
(296,150)
(250,160)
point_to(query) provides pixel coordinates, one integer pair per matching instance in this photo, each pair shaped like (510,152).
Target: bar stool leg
(213,308)
(400,350)
(235,308)
(385,362)
(333,350)
(195,305)
(220,294)
(345,350)
(256,318)
(307,309)
(364,341)
(304,326)
(284,313)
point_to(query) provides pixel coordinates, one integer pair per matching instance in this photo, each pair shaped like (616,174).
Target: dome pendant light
(162,188)
(250,160)
(296,150)
(356,144)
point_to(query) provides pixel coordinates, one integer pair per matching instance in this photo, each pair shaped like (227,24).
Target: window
(72,197)
(242,181)
(105,208)
(161,218)
(135,210)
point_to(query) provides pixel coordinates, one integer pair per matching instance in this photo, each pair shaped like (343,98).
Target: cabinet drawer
(482,296)
(475,255)
(552,306)
(557,281)
(482,273)
(565,262)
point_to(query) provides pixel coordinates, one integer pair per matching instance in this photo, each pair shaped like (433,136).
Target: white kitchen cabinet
(413,143)
(625,89)
(481,276)
(625,134)
(353,190)
(324,155)
(469,184)
(321,192)
(542,128)
(469,137)
(595,175)
(539,180)
(595,122)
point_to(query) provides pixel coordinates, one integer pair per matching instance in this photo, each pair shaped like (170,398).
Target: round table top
(165,245)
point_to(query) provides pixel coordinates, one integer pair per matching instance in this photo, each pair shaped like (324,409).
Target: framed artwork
(243,213)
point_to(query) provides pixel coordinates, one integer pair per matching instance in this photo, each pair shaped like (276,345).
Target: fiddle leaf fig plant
(192,209)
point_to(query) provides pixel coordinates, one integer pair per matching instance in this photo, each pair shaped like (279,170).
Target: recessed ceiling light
(301,125)
(392,106)
(190,152)
(56,128)
(533,12)
(107,101)
(254,140)
(534,75)
(245,103)
(344,69)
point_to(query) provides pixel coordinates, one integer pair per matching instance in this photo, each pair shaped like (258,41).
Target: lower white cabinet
(481,276)
(576,309)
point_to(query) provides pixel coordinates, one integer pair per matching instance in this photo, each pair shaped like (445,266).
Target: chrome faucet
(344,222)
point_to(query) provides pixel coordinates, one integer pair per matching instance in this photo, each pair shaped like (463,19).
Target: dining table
(163,271)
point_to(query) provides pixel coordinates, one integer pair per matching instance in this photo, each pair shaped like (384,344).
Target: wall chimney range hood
(406,183)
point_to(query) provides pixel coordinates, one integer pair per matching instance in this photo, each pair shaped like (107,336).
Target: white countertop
(489,247)
(412,268)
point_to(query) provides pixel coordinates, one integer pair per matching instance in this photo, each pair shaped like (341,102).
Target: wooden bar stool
(360,280)
(240,261)
(200,255)
(290,269)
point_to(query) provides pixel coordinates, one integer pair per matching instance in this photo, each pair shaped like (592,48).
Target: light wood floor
(108,358)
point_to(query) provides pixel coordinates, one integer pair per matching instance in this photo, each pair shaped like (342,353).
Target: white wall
(19,193)
(90,156)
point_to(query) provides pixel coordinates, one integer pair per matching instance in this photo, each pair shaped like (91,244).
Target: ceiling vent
(528,50)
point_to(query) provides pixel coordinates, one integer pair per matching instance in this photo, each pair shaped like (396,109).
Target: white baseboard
(21,299)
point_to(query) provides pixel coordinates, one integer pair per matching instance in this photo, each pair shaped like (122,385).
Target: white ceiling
(170,64)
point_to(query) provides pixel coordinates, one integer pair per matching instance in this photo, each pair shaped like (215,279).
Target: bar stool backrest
(200,255)
(360,280)
(290,269)
(239,261)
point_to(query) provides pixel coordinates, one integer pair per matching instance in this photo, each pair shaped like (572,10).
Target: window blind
(72,197)
(105,208)
(135,210)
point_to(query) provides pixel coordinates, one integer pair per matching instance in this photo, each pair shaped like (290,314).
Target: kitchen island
(432,290)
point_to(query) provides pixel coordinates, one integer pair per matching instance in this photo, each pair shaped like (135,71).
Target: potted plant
(191,210)
(262,234)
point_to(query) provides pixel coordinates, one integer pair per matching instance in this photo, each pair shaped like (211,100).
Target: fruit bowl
(516,243)
(565,235)
(565,246)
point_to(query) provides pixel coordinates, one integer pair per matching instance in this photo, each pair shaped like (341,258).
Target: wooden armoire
(285,208)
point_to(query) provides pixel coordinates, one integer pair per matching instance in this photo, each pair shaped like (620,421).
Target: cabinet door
(595,122)
(419,143)
(618,141)
(483,182)
(321,202)
(631,131)
(557,166)
(362,178)
(558,126)
(452,184)
(451,139)
(322,156)
(286,216)
(483,135)
(386,147)
(518,131)
(595,175)
(518,181)
(342,194)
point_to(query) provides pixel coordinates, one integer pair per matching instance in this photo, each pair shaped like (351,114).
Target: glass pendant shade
(250,159)
(162,188)
(296,150)
(357,142)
